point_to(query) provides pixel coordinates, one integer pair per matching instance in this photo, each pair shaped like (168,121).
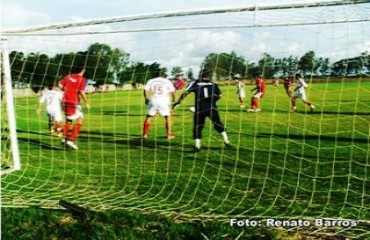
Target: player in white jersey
(299,92)
(240,89)
(52,98)
(159,95)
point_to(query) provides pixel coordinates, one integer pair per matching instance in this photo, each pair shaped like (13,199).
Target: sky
(187,48)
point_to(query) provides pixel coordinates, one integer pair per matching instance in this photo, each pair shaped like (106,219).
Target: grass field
(283,165)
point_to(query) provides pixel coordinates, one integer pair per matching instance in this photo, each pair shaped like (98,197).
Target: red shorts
(72,111)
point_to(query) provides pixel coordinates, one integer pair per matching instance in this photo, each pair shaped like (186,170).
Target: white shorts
(301,95)
(77,114)
(55,116)
(241,94)
(163,108)
(258,95)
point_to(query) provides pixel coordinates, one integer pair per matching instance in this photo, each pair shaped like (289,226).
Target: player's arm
(85,98)
(38,109)
(145,93)
(181,98)
(41,101)
(61,84)
(216,93)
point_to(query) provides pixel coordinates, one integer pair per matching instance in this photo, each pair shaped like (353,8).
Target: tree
(190,74)
(307,62)
(267,65)
(176,70)
(224,65)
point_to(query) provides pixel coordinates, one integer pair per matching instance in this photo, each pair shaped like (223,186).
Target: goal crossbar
(120,19)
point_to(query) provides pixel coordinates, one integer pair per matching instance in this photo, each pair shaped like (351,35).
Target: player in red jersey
(288,82)
(180,82)
(73,86)
(260,87)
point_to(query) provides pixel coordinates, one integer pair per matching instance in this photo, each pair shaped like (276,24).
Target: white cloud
(17,16)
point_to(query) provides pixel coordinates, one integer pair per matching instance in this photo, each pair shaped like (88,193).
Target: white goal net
(282,164)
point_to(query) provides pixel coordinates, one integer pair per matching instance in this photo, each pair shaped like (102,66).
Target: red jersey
(261,86)
(180,84)
(73,85)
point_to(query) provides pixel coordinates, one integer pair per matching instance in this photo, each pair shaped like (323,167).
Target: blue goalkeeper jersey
(206,94)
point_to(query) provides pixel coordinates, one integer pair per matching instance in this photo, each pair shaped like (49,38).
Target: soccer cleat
(170,136)
(228,144)
(312,108)
(72,145)
(196,149)
(63,141)
(250,110)
(293,109)
(144,137)
(59,134)
(257,110)
(242,106)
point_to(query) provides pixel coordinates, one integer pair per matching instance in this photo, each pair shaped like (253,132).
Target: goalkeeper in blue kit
(207,94)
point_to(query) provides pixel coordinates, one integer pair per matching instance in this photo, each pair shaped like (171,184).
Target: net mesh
(283,165)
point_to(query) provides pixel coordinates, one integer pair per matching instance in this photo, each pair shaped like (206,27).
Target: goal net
(283,165)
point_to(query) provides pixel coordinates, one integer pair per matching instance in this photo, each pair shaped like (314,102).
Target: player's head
(50,86)
(236,76)
(158,73)
(78,70)
(298,75)
(256,75)
(205,75)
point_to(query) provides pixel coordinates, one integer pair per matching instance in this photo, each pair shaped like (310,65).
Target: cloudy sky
(187,48)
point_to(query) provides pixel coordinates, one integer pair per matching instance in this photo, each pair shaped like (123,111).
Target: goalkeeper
(206,95)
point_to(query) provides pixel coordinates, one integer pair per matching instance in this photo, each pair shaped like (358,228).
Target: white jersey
(300,92)
(161,90)
(240,89)
(52,99)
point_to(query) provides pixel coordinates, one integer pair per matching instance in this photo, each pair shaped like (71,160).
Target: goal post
(6,82)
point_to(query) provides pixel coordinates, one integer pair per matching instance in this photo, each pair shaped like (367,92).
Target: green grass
(284,165)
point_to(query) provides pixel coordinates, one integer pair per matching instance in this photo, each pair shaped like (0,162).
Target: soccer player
(53,100)
(299,92)
(207,94)
(240,89)
(74,88)
(288,81)
(180,82)
(158,94)
(260,87)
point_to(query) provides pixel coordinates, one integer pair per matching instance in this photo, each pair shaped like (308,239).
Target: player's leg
(76,129)
(253,105)
(293,100)
(58,123)
(169,134)
(50,123)
(164,110)
(67,126)
(308,103)
(218,126)
(151,112)
(146,126)
(199,121)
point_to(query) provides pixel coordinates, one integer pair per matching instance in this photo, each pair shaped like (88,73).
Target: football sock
(224,135)
(146,128)
(76,129)
(58,126)
(197,143)
(67,126)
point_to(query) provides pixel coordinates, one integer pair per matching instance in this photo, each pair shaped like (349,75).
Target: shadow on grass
(312,137)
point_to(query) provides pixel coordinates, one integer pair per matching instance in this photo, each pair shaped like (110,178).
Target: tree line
(105,64)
